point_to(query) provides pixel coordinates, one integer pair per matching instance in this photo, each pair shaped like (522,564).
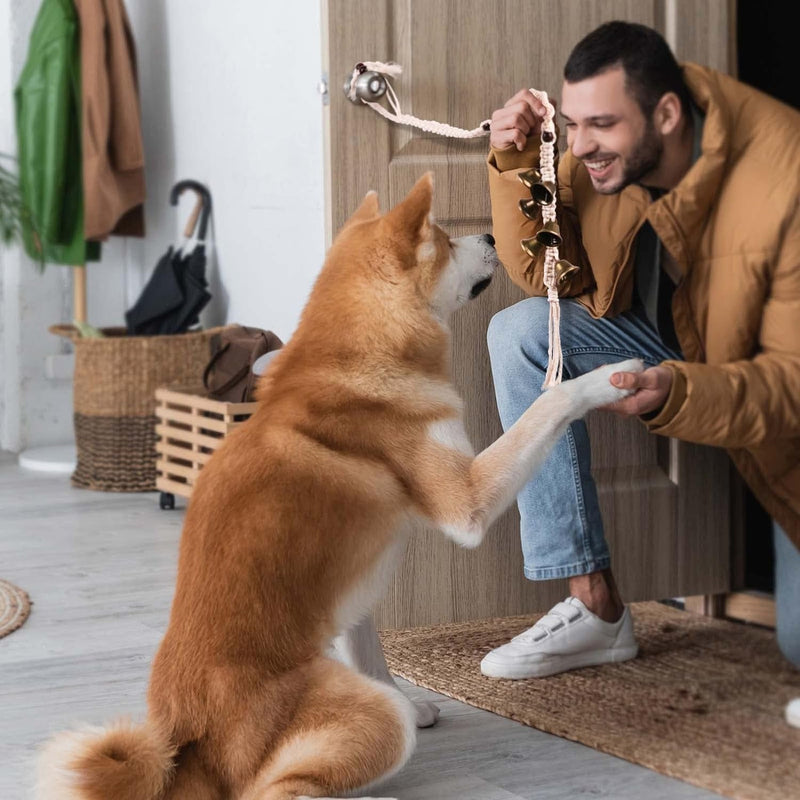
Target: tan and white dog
(296,523)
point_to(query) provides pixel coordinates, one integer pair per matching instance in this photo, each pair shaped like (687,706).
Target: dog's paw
(594,389)
(427,714)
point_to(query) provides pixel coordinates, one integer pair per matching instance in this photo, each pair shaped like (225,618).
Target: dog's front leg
(463,495)
(360,648)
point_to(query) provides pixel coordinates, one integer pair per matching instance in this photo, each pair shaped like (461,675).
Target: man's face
(607,131)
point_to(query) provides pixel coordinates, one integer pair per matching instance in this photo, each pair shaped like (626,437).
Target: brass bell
(549,234)
(529,177)
(543,193)
(565,270)
(532,247)
(530,208)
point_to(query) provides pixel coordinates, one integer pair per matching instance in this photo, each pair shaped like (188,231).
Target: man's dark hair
(650,67)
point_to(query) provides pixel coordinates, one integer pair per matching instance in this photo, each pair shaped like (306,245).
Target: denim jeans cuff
(568,571)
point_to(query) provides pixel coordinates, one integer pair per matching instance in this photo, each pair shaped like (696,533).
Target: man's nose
(581,144)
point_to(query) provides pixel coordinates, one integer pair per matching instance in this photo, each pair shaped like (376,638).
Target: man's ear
(367,210)
(412,214)
(667,113)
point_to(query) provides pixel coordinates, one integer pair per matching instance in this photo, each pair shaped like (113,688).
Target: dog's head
(405,248)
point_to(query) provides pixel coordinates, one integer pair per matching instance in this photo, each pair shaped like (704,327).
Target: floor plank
(100,570)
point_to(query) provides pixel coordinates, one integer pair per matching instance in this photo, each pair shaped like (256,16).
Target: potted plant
(13,212)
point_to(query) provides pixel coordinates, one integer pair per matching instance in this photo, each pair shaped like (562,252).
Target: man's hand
(518,119)
(651,389)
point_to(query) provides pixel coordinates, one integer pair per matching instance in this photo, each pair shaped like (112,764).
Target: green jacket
(48,114)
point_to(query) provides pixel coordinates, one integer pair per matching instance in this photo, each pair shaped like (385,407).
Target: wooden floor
(100,567)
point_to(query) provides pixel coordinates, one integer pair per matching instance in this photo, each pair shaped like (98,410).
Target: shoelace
(561,615)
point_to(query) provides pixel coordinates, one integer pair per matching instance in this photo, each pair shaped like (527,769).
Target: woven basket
(114,401)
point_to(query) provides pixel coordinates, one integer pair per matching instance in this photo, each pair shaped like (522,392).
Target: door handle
(369,86)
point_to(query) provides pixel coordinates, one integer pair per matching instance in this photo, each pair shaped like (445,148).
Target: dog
(296,523)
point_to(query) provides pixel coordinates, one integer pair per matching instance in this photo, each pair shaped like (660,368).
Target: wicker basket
(114,401)
(191,426)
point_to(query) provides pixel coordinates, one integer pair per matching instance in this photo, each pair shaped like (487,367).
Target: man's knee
(522,326)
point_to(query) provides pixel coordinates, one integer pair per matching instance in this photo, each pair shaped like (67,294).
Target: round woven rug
(15,605)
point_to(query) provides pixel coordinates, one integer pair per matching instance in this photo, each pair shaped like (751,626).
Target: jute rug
(703,702)
(14,607)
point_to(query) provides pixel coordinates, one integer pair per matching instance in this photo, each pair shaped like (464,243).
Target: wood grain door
(665,503)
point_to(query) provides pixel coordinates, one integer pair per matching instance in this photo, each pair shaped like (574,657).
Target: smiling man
(678,198)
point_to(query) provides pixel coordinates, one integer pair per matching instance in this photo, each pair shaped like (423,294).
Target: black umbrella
(177,290)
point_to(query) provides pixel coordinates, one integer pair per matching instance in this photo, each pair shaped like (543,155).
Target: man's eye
(603,124)
(569,124)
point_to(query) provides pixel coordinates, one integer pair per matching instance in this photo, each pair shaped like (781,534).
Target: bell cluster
(543,193)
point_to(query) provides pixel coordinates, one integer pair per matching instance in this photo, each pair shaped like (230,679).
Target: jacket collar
(680,215)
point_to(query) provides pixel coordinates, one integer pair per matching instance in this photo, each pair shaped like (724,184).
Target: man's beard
(642,161)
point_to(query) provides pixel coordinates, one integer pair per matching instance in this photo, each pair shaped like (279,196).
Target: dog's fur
(297,522)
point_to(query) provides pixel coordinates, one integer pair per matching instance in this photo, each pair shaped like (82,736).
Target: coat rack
(79,293)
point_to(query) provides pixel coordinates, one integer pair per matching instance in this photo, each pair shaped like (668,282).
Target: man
(678,198)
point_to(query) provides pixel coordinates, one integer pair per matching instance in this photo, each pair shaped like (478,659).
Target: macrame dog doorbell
(369,82)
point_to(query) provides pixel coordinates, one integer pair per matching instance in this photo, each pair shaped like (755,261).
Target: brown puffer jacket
(733,227)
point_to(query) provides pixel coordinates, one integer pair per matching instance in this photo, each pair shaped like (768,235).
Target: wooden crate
(190,427)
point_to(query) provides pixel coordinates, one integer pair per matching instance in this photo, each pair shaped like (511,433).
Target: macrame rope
(396,114)
(546,168)
(555,359)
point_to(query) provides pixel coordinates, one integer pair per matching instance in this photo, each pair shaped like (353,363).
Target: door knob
(369,86)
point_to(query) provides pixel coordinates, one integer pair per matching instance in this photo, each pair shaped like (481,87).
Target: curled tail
(121,761)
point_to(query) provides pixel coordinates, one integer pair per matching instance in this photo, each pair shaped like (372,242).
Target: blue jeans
(787,595)
(560,523)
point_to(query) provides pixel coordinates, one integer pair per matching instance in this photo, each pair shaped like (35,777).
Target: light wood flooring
(100,567)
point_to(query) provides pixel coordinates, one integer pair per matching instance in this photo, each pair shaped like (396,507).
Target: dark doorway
(765,58)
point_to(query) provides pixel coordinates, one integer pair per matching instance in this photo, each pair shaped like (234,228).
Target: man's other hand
(650,391)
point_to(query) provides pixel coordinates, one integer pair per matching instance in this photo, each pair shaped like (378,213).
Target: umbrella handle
(180,187)
(191,224)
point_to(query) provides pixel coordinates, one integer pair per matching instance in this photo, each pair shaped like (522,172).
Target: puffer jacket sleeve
(746,403)
(510,225)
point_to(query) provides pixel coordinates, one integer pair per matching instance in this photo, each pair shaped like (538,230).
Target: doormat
(703,702)
(14,607)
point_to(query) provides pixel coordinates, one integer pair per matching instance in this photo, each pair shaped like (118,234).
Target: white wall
(229,97)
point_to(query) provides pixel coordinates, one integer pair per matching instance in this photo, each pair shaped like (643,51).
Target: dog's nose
(488,238)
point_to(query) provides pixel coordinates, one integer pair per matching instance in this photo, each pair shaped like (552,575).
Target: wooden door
(665,503)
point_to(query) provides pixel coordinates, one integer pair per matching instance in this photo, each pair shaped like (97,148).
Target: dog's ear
(413,213)
(368,209)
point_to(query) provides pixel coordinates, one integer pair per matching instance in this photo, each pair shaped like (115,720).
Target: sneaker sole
(559,664)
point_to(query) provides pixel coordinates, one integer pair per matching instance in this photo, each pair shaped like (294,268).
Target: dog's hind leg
(192,780)
(360,648)
(349,732)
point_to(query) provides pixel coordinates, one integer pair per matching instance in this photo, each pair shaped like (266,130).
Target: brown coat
(733,227)
(113,152)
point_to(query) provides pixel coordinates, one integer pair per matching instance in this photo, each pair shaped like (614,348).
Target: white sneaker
(793,712)
(569,636)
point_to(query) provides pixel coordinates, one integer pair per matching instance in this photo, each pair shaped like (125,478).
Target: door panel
(665,503)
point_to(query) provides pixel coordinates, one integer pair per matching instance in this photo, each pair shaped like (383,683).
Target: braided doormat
(14,607)
(704,700)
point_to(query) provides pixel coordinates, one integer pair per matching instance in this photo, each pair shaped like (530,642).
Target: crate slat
(183,453)
(178,435)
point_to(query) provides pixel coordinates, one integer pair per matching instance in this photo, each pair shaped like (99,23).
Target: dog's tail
(122,761)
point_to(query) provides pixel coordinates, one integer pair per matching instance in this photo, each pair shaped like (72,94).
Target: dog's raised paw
(595,388)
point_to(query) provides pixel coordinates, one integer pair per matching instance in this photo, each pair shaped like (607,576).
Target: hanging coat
(47,101)
(113,151)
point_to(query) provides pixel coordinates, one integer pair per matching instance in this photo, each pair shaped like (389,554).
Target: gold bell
(529,177)
(565,270)
(530,208)
(543,193)
(549,234)
(532,247)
